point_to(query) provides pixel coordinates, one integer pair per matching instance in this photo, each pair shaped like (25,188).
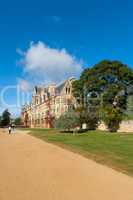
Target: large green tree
(109,80)
(5,118)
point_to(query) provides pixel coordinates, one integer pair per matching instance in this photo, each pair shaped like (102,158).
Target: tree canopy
(104,74)
(110,80)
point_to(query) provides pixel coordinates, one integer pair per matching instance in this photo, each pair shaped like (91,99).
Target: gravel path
(31,169)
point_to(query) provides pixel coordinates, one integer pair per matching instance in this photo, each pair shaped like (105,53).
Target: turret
(51,89)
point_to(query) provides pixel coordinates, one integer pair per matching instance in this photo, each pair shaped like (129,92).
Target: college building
(47,104)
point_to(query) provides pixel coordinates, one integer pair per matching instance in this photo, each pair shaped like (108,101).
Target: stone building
(47,104)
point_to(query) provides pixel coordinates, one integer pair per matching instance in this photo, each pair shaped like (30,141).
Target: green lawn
(114,150)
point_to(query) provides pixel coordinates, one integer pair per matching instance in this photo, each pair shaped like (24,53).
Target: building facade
(48,104)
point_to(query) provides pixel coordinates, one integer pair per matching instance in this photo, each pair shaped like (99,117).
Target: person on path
(9,129)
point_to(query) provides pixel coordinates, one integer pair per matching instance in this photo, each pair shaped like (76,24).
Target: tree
(0,120)
(17,121)
(6,118)
(78,92)
(129,111)
(67,121)
(114,104)
(110,80)
(106,73)
(89,112)
(93,111)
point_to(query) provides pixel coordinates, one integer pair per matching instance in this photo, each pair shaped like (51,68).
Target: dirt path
(31,169)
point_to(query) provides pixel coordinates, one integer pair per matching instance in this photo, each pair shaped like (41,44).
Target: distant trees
(17,121)
(5,119)
(109,80)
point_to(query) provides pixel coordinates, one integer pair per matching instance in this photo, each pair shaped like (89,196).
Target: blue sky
(89,30)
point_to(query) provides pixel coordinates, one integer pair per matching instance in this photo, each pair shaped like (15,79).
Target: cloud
(20,52)
(44,64)
(56,19)
(24,85)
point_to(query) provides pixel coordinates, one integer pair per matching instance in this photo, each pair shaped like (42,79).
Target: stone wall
(126,126)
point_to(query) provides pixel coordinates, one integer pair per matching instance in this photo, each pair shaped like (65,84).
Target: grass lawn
(114,150)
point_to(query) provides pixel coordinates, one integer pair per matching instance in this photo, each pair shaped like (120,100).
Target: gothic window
(68,90)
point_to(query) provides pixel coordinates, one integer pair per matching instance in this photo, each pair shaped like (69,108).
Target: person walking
(9,129)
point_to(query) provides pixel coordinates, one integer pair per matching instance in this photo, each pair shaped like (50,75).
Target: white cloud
(47,64)
(24,85)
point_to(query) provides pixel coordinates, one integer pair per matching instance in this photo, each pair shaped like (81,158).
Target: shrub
(67,121)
